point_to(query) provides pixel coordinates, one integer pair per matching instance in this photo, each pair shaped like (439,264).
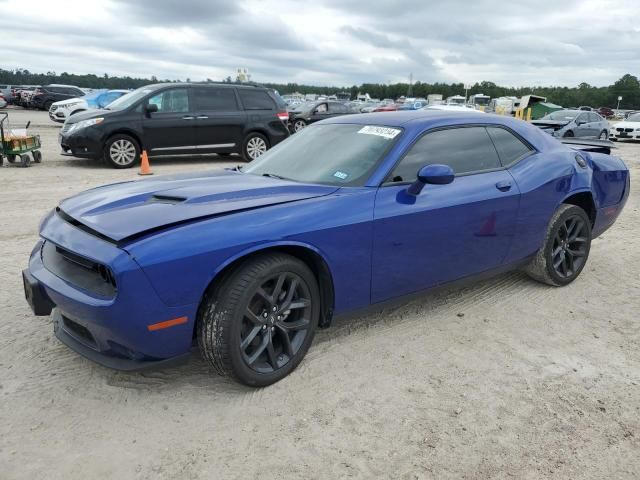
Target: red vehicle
(387,108)
(606,112)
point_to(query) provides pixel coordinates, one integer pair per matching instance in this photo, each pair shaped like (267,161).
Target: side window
(594,117)
(464,149)
(322,108)
(337,108)
(175,100)
(255,99)
(582,118)
(214,99)
(510,148)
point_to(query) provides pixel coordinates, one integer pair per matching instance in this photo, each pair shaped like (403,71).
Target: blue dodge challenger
(349,213)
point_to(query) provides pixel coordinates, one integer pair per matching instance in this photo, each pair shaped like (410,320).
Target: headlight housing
(69,105)
(85,123)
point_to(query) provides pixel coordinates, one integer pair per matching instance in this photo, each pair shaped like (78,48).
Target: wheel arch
(308,254)
(583,199)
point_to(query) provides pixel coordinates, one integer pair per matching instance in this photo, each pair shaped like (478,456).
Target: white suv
(63,109)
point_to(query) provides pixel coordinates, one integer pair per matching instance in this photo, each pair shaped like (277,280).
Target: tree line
(628,87)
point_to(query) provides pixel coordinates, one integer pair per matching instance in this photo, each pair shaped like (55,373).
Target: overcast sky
(328,42)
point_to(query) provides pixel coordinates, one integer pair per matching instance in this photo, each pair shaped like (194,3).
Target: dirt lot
(504,379)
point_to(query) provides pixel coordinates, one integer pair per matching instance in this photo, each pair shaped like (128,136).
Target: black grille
(78,330)
(628,130)
(79,271)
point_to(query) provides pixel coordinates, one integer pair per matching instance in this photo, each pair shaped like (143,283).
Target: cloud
(328,42)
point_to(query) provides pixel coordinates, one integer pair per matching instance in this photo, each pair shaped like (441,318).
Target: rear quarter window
(214,99)
(510,148)
(256,99)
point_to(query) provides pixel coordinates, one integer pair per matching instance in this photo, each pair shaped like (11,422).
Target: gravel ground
(504,379)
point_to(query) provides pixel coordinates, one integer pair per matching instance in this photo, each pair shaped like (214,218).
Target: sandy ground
(504,379)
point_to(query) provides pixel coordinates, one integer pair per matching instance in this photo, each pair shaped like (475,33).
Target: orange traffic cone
(145,169)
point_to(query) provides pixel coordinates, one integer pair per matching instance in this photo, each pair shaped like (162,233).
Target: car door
(582,125)
(171,128)
(219,119)
(447,231)
(597,124)
(336,109)
(319,112)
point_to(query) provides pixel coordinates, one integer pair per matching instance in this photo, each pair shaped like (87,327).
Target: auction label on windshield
(385,132)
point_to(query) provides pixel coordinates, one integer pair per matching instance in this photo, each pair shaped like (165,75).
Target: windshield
(331,154)
(562,115)
(634,118)
(129,99)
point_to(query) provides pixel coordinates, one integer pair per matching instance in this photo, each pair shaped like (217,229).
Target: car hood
(69,100)
(124,210)
(89,114)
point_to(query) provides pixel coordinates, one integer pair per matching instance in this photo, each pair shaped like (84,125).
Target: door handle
(503,186)
(188,118)
(202,117)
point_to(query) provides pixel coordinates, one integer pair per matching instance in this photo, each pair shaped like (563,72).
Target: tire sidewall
(606,135)
(245,144)
(107,147)
(548,248)
(232,331)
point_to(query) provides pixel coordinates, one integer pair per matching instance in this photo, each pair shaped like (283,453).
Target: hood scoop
(171,200)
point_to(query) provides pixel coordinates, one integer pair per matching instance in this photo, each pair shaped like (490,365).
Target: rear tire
(254,145)
(568,134)
(566,248)
(47,105)
(258,324)
(121,151)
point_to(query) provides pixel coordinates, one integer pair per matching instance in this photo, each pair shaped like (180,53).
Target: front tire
(254,145)
(298,125)
(566,248)
(121,151)
(259,323)
(568,134)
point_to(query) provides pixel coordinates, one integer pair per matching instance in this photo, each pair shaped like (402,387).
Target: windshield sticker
(385,132)
(341,175)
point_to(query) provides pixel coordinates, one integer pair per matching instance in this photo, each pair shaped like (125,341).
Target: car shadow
(205,160)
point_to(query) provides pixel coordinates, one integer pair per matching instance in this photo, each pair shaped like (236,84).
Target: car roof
(206,84)
(403,117)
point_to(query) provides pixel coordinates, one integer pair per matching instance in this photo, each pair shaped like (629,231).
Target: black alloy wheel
(275,322)
(257,323)
(570,247)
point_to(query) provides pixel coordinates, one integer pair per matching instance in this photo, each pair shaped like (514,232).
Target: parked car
(606,112)
(628,129)
(5,91)
(21,95)
(574,123)
(307,113)
(348,214)
(415,105)
(63,109)
(585,108)
(3,101)
(388,107)
(185,118)
(43,97)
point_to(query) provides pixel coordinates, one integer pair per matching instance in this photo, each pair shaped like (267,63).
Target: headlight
(69,105)
(84,124)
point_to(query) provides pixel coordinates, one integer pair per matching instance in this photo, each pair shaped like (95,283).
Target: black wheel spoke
(297,325)
(575,253)
(271,355)
(286,341)
(299,303)
(265,296)
(579,240)
(250,337)
(258,351)
(569,259)
(277,290)
(255,319)
(576,231)
(290,293)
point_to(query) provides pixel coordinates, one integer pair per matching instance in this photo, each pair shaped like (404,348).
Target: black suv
(179,118)
(43,97)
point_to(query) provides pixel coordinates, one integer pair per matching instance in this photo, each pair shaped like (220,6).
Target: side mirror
(435,174)
(151,108)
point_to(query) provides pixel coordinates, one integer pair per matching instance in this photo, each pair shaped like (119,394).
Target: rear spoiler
(597,146)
